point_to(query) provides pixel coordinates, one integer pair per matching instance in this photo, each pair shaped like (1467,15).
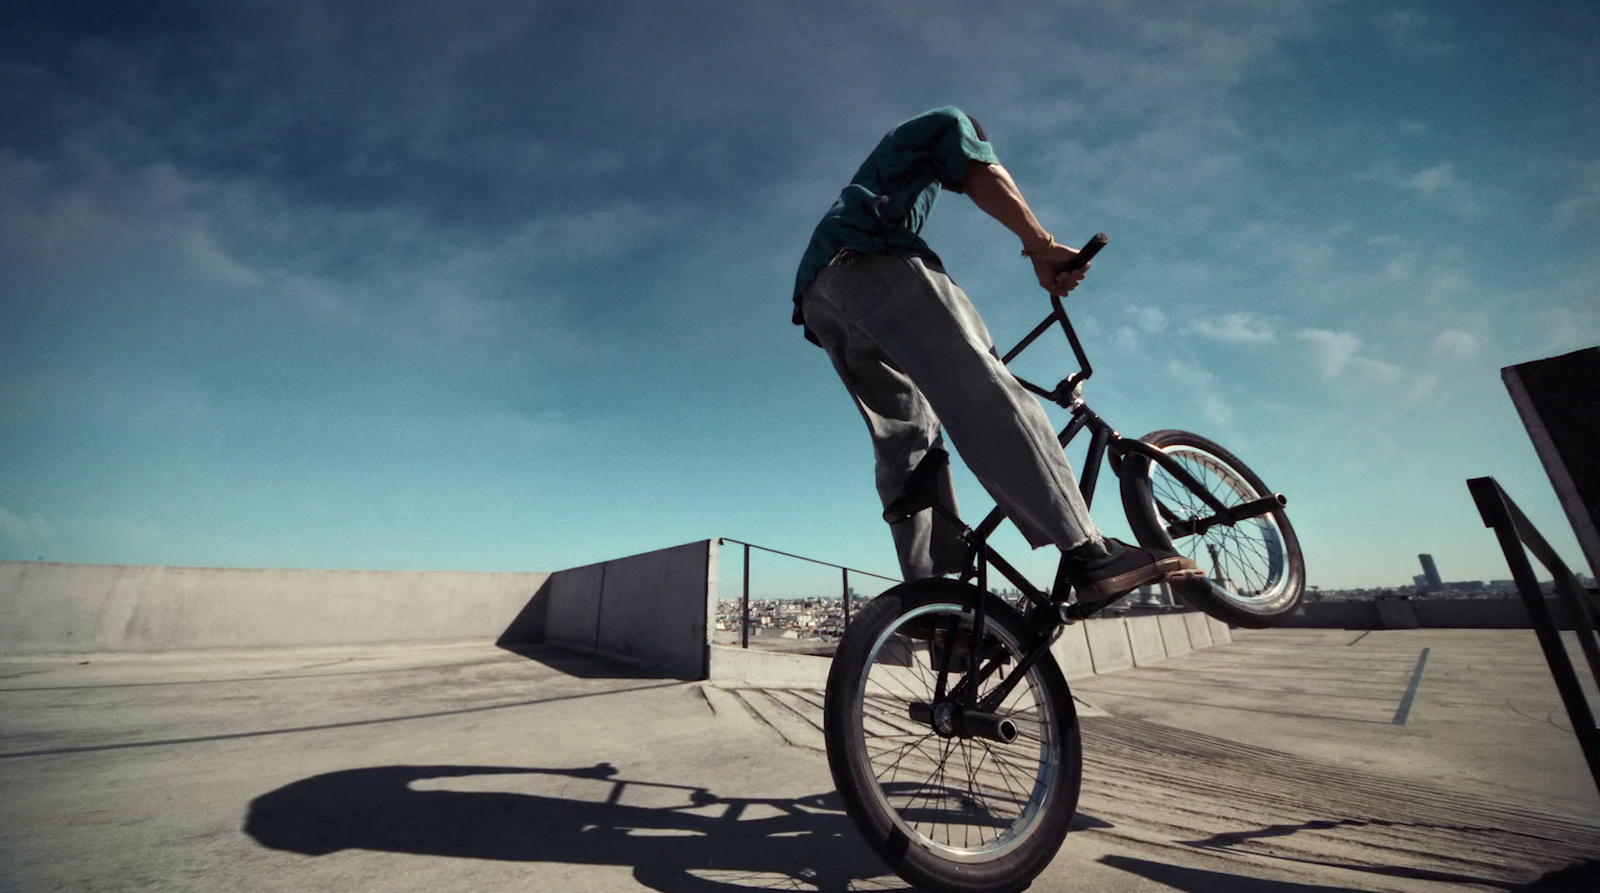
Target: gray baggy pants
(913,351)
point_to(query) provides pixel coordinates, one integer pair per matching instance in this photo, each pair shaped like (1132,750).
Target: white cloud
(1422,387)
(1454,344)
(1376,371)
(1441,184)
(1330,352)
(1432,181)
(1337,355)
(1236,328)
(1149,319)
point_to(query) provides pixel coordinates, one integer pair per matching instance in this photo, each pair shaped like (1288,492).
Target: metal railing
(744,598)
(1518,537)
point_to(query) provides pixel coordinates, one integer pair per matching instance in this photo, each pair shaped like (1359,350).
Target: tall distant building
(1431,572)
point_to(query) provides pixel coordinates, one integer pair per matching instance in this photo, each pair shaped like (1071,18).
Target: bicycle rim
(968,800)
(1245,562)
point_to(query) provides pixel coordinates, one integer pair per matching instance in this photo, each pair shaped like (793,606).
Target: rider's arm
(994,192)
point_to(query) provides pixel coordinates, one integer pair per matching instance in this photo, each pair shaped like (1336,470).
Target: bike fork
(970,696)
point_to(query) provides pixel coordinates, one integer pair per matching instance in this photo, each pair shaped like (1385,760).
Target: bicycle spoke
(1001,767)
(1240,560)
(973,771)
(937,774)
(894,767)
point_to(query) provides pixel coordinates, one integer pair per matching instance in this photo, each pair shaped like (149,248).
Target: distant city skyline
(507,286)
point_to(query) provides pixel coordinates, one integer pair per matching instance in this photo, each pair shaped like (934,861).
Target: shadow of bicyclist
(701,843)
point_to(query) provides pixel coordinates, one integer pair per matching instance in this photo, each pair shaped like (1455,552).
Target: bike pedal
(1076,611)
(1084,610)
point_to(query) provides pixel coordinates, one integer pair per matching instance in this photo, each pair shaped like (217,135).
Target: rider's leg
(903,428)
(906,316)
(908,313)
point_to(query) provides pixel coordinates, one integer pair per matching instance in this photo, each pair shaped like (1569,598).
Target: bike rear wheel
(1254,571)
(947,809)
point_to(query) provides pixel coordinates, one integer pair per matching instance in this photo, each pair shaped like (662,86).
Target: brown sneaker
(1126,568)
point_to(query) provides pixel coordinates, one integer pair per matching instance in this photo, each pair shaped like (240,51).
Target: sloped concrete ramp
(468,768)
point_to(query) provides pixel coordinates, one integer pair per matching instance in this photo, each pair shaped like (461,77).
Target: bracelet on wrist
(1050,242)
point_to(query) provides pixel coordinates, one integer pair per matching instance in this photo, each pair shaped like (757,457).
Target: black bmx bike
(951,732)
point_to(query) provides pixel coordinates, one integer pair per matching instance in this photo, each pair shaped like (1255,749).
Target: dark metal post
(1572,595)
(744,603)
(846,595)
(1571,592)
(1492,505)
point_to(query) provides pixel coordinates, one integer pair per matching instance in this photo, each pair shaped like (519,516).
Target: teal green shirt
(889,198)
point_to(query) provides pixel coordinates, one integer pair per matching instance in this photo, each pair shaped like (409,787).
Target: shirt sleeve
(946,138)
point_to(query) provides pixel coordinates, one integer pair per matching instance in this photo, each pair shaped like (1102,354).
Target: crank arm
(1229,516)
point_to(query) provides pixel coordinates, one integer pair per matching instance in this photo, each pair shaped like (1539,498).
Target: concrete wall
(1109,647)
(767,669)
(1437,613)
(1137,639)
(1071,651)
(653,608)
(77,608)
(1477,613)
(1335,615)
(1090,648)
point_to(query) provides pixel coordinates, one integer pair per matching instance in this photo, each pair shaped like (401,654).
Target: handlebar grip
(1088,251)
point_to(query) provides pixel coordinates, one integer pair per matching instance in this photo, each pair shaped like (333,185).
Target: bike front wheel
(1254,572)
(948,806)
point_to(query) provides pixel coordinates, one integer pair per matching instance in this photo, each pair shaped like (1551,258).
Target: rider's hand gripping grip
(1088,251)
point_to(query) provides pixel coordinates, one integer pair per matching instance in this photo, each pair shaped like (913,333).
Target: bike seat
(921,489)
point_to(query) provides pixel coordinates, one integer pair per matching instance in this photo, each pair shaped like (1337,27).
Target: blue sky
(498,286)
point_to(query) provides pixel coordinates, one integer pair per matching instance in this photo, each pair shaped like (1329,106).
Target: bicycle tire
(877,672)
(1255,573)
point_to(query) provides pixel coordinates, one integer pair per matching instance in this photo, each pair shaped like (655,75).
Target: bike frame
(1104,443)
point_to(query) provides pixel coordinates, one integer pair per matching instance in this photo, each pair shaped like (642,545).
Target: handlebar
(1088,251)
(1063,393)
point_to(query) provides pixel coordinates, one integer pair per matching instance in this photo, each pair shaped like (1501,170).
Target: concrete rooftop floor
(1287,761)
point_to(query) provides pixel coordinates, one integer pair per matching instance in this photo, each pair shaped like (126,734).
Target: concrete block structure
(1071,652)
(1144,635)
(1109,648)
(652,608)
(572,608)
(1221,633)
(1174,634)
